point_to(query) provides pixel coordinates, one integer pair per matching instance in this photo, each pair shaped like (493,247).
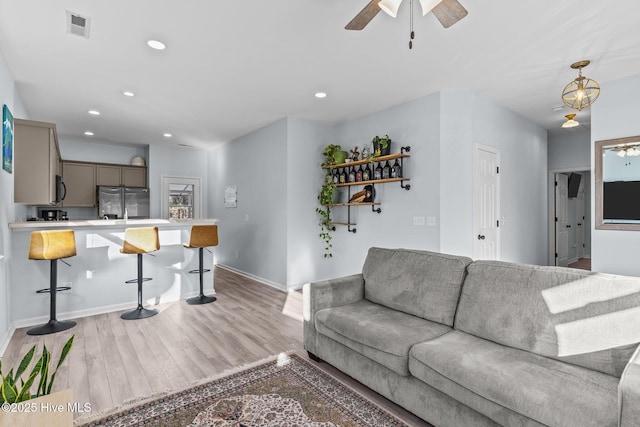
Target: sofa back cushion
(584,318)
(421,283)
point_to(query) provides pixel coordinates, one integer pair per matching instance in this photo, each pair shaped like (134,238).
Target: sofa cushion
(425,284)
(377,332)
(584,318)
(482,374)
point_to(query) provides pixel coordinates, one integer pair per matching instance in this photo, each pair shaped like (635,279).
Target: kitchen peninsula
(98,272)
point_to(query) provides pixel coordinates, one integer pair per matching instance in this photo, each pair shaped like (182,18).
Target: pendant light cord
(411,33)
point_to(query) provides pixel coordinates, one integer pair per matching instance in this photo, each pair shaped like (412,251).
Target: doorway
(486,224)
(181,197)
(569,218)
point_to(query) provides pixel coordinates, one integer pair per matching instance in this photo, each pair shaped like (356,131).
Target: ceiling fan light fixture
(428,5)
(390,7)
(570,123)
(582,91)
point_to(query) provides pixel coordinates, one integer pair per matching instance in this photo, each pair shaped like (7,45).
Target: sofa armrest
(325,294)
(629,393)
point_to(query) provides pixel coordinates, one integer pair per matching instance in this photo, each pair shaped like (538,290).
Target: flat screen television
(621,202)
(574,184)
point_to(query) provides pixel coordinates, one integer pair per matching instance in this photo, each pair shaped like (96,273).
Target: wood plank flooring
(113,360)
(582,264)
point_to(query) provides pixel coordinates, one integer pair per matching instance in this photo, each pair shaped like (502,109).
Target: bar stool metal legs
(52,245)
(202,298)
(139,312)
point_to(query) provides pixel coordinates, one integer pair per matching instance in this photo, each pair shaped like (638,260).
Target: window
(181,197)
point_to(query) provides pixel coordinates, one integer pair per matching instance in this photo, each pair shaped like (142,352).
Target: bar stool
(52,245)
(140,241)
(201,237)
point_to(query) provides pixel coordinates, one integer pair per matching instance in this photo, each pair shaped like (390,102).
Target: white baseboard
(33,321)
(5,342)
(254,277)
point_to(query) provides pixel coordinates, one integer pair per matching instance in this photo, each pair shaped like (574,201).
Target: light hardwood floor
(113,360)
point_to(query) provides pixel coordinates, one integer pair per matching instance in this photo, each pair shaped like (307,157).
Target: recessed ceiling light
(155,44)
(88,133)
(321,95)
(167,135)
(127,93)
(94,112)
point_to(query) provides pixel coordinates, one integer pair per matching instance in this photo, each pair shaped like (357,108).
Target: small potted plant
(381,145)
(334,154)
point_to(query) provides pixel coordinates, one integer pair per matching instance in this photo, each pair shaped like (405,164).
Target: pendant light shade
(390,6)
(581,92)
(570,123)
(428,5)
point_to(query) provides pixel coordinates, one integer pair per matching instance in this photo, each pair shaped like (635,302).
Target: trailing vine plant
(324,210)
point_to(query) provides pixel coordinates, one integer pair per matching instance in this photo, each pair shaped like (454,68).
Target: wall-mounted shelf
(351,226)
(372,160)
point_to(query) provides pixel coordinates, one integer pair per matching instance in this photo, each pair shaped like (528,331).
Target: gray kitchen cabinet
(36,162)
(130,176)
(80,180)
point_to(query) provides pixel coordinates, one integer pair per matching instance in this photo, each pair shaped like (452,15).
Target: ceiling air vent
(78,24)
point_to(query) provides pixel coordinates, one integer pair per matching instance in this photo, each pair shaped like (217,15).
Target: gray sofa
(484,343)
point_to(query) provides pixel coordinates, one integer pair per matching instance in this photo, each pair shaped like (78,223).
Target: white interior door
(562,233)
(487,204)
(580,222)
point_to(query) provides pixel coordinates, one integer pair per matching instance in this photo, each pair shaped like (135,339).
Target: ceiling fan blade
(449,12)
(364,17)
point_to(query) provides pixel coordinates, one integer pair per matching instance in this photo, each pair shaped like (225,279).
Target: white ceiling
(233,66)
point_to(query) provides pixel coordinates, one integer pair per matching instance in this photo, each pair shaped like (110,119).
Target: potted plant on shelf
(381,145)
(334,154)
(326,198)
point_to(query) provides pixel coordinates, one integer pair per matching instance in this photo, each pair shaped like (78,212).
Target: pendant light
(581,92)
(570,123)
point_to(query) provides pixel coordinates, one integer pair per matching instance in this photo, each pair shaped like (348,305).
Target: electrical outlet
(237,254)
(246,217)
(431,221)
(418,220)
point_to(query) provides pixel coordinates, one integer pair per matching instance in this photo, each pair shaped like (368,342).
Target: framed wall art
(7,139)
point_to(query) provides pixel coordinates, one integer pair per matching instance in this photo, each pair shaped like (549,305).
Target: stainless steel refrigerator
(113,202)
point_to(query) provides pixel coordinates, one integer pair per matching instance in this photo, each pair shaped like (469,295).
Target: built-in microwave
(61,189)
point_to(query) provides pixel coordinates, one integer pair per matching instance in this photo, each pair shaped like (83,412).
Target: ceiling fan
(448,12)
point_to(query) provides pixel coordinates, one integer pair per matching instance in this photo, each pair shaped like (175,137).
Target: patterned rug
(286,392)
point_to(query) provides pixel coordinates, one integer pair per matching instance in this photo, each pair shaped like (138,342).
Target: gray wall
(569,150)
(441,130)
(615,115)
(253,236)
(8,210)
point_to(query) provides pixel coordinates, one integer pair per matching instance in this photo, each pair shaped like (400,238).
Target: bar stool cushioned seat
(140,241)
(202,236)
(52,245)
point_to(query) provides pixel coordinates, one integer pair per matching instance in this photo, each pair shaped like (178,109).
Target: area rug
(286,392)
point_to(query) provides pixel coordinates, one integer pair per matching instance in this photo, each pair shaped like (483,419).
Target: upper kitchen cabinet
(80,181)
(36,163)
(129,176)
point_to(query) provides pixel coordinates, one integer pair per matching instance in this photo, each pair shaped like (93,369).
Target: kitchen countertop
(112,223)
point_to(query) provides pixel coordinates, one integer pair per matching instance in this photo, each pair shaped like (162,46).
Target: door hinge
(556,183)
(556,219)
(556,255)
(498,223)
(497,169)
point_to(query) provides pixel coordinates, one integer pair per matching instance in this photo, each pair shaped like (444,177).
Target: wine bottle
(386,170)
(377,173)
(366,174)
(352,175)
(396,170)
(343,176)
(358,174)
(335,176)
